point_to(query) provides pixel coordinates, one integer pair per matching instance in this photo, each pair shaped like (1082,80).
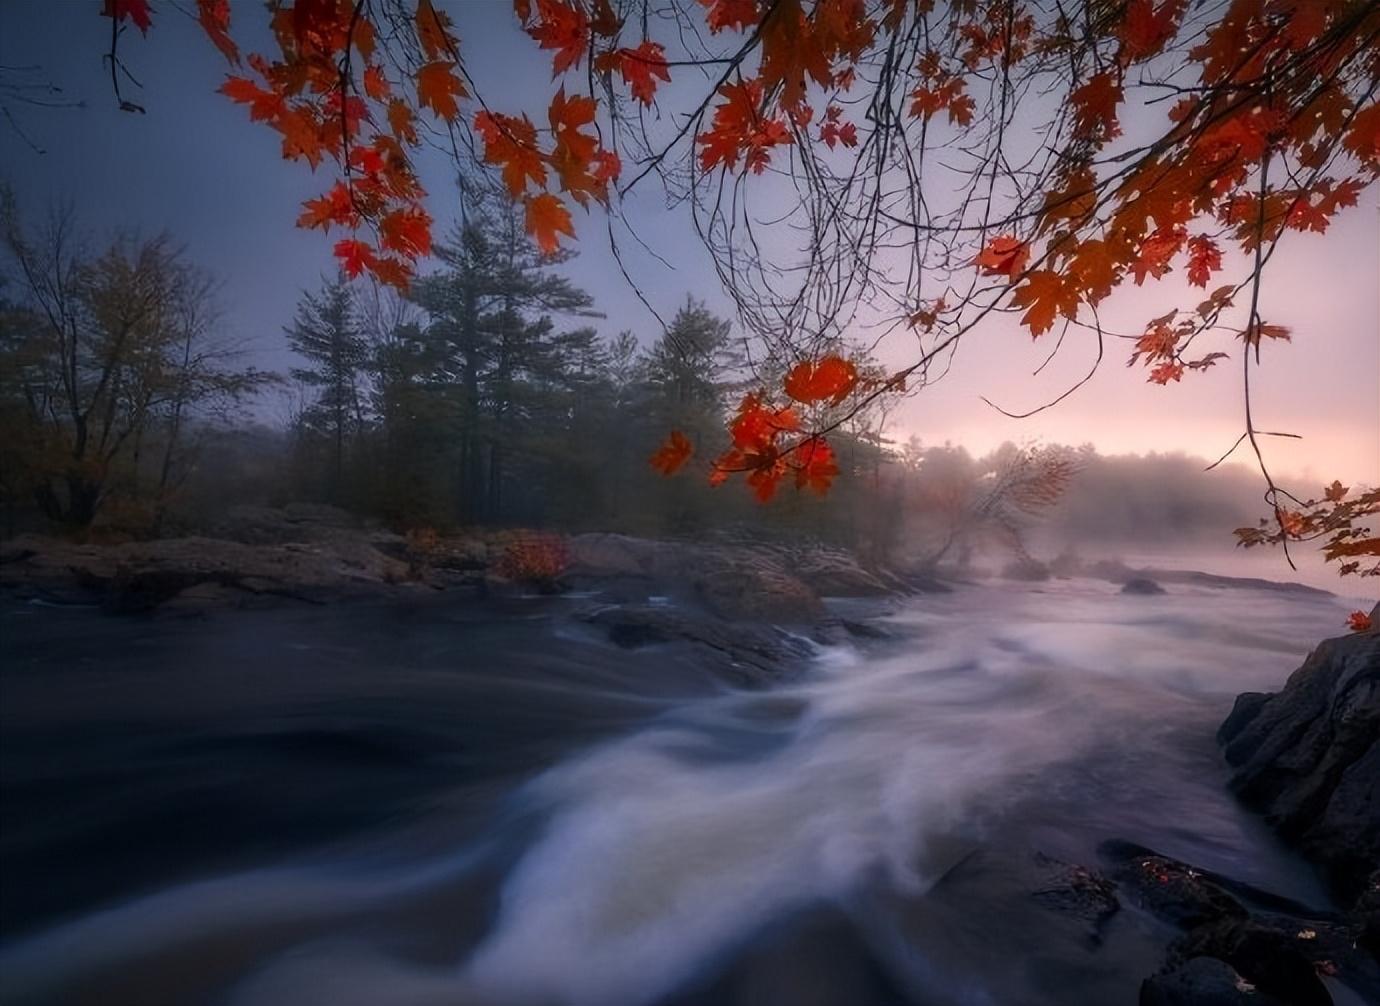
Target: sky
(194,166)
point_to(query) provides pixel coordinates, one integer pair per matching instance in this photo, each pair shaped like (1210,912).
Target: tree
(100,358)
(326,332)
(947,162)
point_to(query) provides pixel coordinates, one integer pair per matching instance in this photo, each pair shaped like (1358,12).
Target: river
(433,805)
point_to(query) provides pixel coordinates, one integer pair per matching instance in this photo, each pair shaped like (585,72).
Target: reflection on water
(898,793)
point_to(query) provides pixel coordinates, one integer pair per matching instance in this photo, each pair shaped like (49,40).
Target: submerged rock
(1142,585)
(1268,959)
(1203,981)
(1309,758)
(1076,891)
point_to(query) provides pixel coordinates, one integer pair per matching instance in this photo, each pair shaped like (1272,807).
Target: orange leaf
(672,454)
(355,256)
(1045,293)
(511,142)
(735,14)
(375,83)
(831,380)
(1204,258)
(564,28)
(641,68)
(547,217)
(1003,256)
(1094,106)
(214,18)
(136,11)
(437,89)
(1358,621)
(433,31)
(407,232)
(816,466)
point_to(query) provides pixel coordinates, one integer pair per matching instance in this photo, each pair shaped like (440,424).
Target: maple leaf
(1003,256)
(1097,268)
(815,465)
(764,479)
(672,455)
(335,207)
(1358,621)
(1163,373)
(1095,104)
(1145,28)
(1254,333)
(1156,251)
(1335,492)
(564,28)
(401,121)
(375,83)
(547,217)
(263,105)
(1204,258)
(433,31)
(406,231)
(830,380)
(834,130)
(740,130)
(355,256)
(961,110)
(735,14)
(1045,294)
(214,18)
(136,11)
(438,87)
(511,143)
(1363,138)
(641,68)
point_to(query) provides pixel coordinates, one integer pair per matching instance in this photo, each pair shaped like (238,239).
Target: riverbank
(624,794)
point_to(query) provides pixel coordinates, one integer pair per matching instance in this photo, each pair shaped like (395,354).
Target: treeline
(487,396)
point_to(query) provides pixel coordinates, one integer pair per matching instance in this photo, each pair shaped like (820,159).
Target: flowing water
(620,831)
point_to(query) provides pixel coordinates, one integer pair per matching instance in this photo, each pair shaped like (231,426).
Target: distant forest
(486,396)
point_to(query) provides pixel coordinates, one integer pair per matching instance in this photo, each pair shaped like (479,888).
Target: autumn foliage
(1183,138)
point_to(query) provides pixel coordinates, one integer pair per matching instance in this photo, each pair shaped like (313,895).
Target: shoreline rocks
(1308,758)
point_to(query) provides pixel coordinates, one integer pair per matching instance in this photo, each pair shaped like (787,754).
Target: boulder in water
(1203,981)
(1309,758)
(1141,585)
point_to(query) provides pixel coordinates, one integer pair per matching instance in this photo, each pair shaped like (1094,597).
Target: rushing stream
(620,831)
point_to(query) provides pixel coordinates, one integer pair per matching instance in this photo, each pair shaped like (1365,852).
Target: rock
(1076,891)
(138,576)
(1174,891)
(1202,981)
(756,592)
(757,654)
(1141,585)
(1309,758)
(1266,958)
(837,574)
(1246,708)
(1030,570)
(296,522)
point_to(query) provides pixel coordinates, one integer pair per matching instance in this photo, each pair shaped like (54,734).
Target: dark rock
(1076,891)
(1202,981)
(1246,707)
(1141,585)
(1030,570)
(755,654)
(1264,956)
(1174,891)
(1309,758)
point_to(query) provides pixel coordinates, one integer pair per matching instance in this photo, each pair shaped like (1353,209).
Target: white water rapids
(1061,712)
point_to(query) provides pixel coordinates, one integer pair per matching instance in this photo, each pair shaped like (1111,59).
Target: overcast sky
(194,166)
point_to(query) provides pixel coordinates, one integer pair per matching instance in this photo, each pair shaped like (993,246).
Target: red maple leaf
(830,380)
(672,454)
(1003,256)
(546,218)
(563,28)
(136,11)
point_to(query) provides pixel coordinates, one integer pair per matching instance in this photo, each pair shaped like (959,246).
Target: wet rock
(1268,959)
(755,654)
(1141,585)
(747,590)
(1309,758)
(1029,570)
(1203,981)
(837,574)
(1076,891)
(1174,891)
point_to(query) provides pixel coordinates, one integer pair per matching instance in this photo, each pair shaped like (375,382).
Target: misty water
(591,826)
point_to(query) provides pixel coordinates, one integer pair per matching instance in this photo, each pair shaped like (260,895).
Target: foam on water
(665,849)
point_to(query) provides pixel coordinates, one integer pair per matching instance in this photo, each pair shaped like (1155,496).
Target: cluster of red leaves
(533,557)
(1359,621)
(1335,519)
(769,441)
